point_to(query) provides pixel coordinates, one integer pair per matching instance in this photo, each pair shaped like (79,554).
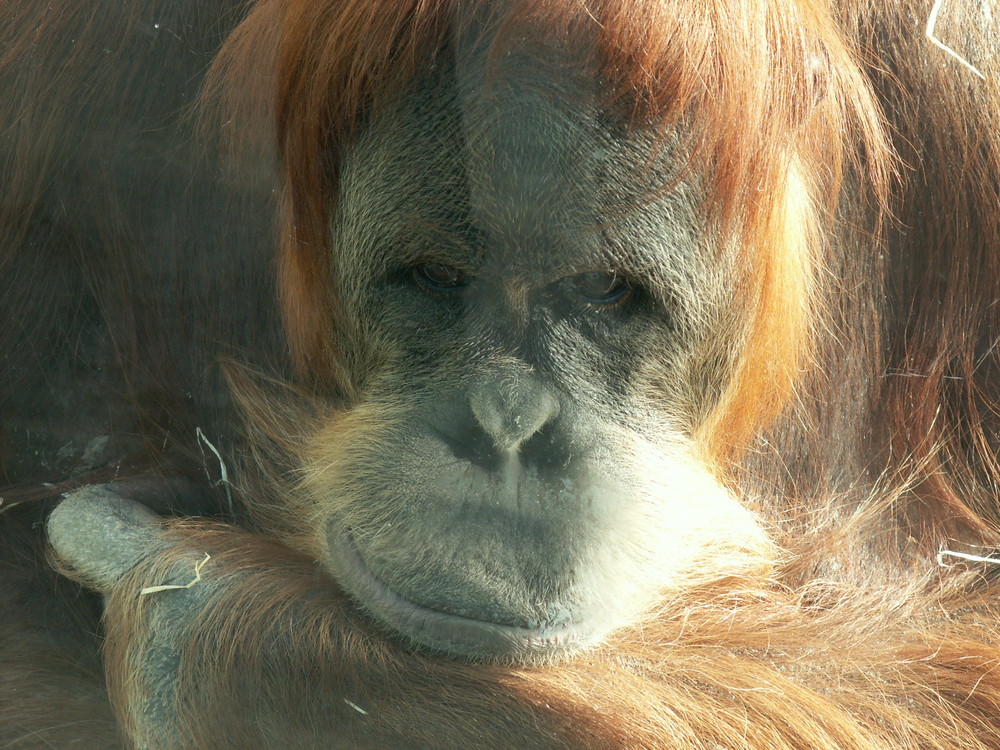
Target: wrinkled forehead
(506,163)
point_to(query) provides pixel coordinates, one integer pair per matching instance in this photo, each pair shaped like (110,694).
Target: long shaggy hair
(857,169)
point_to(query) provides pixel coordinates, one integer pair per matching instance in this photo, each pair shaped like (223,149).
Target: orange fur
(739,664)
(859,418)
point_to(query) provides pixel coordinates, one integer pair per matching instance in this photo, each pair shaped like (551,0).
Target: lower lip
(450,634)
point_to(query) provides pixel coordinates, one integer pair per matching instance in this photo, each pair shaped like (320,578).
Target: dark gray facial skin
(538,300)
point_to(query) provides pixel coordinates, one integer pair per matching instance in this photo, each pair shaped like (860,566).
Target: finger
(101,535)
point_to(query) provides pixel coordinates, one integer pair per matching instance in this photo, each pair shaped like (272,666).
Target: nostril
(511,407)
(546,452)
(473,446)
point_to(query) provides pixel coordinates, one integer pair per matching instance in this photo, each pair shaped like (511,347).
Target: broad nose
(512,405)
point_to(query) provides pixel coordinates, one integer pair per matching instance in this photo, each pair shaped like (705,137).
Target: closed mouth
(451,634)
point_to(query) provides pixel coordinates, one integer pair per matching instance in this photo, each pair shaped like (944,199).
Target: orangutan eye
(438,277)
(601,287)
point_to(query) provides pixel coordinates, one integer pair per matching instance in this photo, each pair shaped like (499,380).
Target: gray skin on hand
(102,535)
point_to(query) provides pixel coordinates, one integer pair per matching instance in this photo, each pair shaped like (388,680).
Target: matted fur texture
(854,165)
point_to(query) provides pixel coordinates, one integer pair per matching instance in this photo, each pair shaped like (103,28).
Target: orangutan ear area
(521,374)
